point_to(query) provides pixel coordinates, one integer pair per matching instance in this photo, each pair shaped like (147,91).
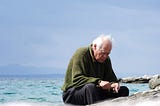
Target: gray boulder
(147,98)
(154,83)
(143,79)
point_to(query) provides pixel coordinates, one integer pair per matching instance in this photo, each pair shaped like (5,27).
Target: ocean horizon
(32,76)
(40,89)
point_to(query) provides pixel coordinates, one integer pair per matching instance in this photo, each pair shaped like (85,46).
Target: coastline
(149,97)
(51,88)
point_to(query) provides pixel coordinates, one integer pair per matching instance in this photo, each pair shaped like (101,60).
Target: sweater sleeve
(79,72)
(109,74)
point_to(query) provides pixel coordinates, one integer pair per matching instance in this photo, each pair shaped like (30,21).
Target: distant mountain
(16,69)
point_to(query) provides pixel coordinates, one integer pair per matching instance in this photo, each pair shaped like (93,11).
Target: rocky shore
(148,98)
(142,79)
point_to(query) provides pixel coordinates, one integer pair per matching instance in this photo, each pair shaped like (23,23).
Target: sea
(40,90)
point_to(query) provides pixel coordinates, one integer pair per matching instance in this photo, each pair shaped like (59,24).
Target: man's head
(101,47)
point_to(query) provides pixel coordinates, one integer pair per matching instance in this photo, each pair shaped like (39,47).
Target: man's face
(102,53)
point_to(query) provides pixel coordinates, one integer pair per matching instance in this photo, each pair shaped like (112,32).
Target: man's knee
(124,91)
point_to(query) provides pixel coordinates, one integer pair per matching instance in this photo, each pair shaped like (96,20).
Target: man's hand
(105,85)
(108,86)
(115,87)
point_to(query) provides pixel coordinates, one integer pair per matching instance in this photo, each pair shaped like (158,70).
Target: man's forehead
(106,45)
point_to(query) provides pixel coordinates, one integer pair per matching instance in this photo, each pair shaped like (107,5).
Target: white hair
(100,40)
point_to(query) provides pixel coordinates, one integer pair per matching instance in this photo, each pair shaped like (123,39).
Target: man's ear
(94,46)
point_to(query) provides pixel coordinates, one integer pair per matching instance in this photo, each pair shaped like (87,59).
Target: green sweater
(83,69)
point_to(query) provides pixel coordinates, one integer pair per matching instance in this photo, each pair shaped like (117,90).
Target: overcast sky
(45,33)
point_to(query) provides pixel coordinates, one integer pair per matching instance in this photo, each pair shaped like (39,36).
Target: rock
(137,99)
(145,98)
(143,79)
(154,83)
(149,95)
(157,87)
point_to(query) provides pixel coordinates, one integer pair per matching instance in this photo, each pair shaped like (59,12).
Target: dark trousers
(90,94)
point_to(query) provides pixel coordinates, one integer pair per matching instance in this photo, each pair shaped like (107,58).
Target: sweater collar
(91,53)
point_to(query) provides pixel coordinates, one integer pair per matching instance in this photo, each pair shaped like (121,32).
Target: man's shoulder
(82,49)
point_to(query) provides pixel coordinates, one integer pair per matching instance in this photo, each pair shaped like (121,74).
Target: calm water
(39,90)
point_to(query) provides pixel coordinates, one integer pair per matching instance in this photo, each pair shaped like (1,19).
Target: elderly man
(90,77)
